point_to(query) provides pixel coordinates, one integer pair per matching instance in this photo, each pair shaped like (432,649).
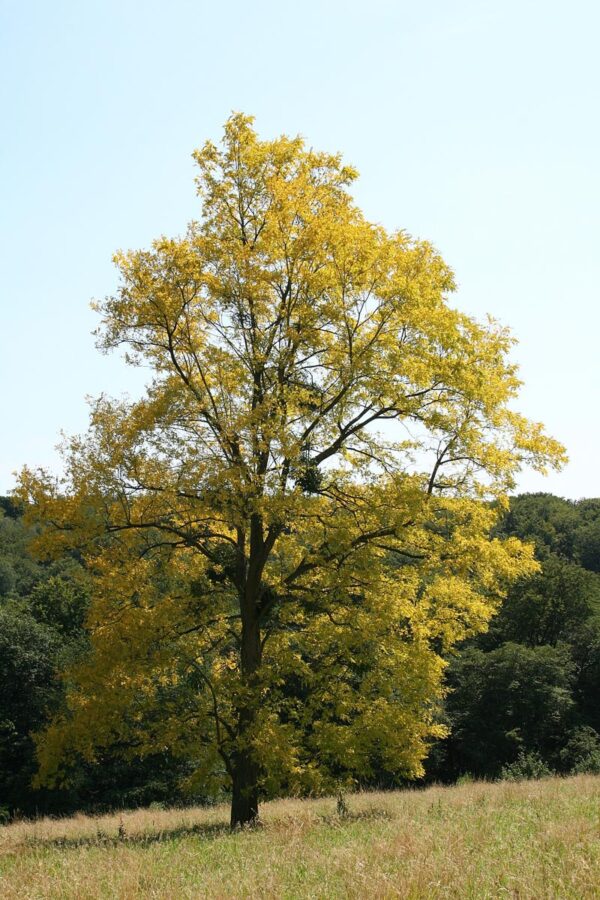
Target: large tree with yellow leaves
(293,524)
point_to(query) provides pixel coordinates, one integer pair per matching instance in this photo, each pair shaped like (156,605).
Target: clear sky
(474,124)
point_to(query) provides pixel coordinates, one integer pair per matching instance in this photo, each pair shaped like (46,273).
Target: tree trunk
(244,765)
(244,799)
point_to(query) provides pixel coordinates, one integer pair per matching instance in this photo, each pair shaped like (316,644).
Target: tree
(28,652)
(587,536)
(529,700)
(567,528)
(585,649)
(278,565)
(513,700)
(549,521)
(546,608)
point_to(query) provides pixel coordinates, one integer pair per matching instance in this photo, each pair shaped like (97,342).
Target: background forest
(522,699)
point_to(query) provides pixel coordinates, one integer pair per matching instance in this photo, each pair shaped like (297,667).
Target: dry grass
(529,840)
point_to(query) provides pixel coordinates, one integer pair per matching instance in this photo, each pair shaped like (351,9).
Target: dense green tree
(512,700)
(545,608)
(548,521)
(503,719)
(61,603)
(29,655)
(581,752)
(19,572)
(585,650)
(566,528)
(587,535)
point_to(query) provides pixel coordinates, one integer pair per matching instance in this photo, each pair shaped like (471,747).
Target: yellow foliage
(292,526)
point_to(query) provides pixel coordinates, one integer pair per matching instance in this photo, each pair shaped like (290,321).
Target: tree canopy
(523,697)
(292,525)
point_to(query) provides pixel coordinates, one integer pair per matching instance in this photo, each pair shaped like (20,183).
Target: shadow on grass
(123,839)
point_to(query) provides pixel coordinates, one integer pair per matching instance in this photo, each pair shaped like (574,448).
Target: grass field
(528,840)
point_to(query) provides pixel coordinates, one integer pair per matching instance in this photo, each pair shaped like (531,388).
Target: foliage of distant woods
(523,699)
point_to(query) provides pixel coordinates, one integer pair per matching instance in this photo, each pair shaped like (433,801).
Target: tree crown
(294,511)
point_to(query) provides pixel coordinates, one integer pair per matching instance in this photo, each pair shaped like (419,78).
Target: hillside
(528,840)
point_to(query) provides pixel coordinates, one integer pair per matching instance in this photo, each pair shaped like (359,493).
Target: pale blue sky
(474,124)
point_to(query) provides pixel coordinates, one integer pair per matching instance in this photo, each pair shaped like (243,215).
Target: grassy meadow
(532,839)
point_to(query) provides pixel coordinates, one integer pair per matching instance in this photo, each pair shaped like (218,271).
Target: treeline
(42,614)
(523,698)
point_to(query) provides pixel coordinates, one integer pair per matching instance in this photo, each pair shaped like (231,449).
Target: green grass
(529,840)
